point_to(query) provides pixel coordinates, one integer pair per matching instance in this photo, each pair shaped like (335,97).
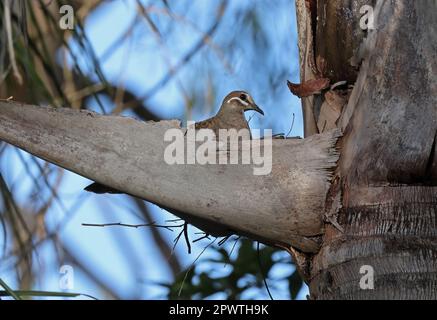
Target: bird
(231,113)
(229,116)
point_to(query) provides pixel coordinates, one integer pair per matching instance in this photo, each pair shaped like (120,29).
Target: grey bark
(281,208)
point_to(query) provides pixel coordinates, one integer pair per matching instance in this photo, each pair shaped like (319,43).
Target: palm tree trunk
(380,238)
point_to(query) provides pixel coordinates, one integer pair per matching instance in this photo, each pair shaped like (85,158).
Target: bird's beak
(254,107)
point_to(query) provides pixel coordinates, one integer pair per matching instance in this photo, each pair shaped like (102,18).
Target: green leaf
(294,284)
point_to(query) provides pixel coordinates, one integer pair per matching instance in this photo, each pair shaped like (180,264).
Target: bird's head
(239,101)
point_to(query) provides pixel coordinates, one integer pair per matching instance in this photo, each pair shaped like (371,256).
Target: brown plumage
(231,113)
(230,116)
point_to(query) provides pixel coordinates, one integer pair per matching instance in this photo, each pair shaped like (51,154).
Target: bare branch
(282,207)
(120,224)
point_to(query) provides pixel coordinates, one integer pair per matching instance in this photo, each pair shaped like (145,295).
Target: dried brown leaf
(309,87)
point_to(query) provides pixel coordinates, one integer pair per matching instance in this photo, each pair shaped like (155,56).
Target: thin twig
(8,26)
(208,39)
(188,56)
(223,240)
(262,272)
(192,265)
(233,246)
(292,125)
(187,239)
(176,240)
(166,52)
(206,236)
(250,118)
(120,224)
(159,239)
(232,250)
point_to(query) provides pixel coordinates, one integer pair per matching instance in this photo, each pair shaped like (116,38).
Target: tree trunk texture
(381,211)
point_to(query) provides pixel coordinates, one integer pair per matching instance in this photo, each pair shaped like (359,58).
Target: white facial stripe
(243,102)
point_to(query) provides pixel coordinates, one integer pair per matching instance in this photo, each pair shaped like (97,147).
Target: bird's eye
(243,97)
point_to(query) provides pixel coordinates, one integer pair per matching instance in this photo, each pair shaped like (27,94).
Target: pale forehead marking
(243,102)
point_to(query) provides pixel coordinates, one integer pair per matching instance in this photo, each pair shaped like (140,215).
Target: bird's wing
(210,123)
